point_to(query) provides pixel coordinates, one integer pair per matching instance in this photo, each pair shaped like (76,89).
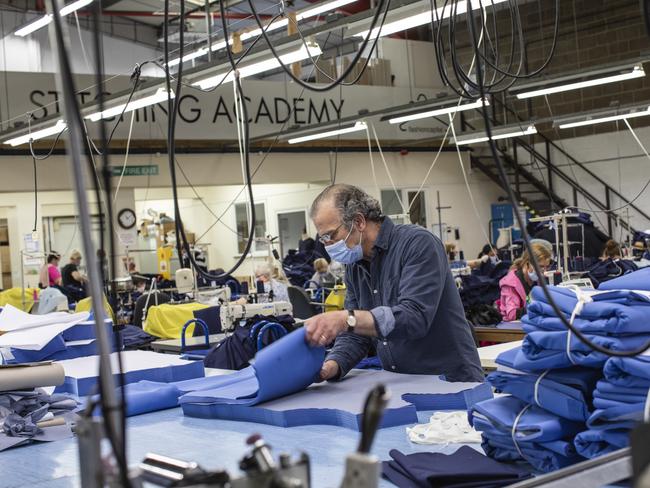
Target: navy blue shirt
(419,317)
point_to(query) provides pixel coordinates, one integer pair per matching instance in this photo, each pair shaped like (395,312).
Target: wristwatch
(351,321)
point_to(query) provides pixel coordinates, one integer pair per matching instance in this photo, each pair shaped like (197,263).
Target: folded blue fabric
(594,443)
(551,392)
(548,350)
(566,299)
(637,280)
(631,372)
(465,468)
(498,415)
(31,356)
(286,366)
(544,457)
(86,330)
(149,396)
(620,416)
(606,391)
(70,350)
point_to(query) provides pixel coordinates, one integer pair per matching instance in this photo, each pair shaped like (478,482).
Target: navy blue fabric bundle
(539,437)
(609,269)
(465,468)
(298,266)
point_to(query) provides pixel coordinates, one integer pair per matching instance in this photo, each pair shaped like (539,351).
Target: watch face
(352,320)
(126,218)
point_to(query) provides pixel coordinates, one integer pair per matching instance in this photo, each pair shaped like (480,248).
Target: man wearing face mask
(400,296)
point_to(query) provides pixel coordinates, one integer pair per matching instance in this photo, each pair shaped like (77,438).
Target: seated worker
(487,254)
(50,274)
(264,273)
(612,250)
(516,285)
(322,275)
(401,296)
(73,281)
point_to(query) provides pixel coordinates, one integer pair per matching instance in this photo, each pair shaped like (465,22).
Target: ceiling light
(253,68)
(357,126)
(502,133)
(566,83)
(402,19)
(46,19)
(602,117)
(435,111)
(158,97)
(39,134)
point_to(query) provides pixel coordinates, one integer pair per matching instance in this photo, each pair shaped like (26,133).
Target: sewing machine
(232,313)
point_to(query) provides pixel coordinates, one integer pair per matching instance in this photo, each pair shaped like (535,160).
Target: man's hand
(323,328)
(329,370)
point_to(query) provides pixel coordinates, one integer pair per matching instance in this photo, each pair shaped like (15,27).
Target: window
(414,202)
(241,216)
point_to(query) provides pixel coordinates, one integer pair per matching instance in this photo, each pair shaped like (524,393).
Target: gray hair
(350,201)
(264,269)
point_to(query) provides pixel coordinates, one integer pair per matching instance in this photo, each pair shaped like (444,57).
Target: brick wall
(592,33)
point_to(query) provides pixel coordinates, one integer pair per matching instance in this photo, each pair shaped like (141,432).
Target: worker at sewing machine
(518,283)
(400,294)
(264,273)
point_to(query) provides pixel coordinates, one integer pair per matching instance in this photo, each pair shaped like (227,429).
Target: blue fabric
(638,280)
(631,372)
(547,350)
(465,468)
(286,366)
(616,416)
(420,321)
(618,312)
(69,351)
(497,416)
(609,269)
(372,362)
(607,391)
(30,356)
(149,396)
(86,330)
(133,337)
(543,457)
(556,392)
(211,316)
(172,373)
(595,443)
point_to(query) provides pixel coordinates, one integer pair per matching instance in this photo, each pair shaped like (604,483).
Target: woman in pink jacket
(516,285)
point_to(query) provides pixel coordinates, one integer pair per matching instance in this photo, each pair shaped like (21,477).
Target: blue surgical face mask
(533,276)
(339,251)
(494,259)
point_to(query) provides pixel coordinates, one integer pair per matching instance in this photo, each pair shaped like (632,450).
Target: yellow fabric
(166,321)
(336,299)
(86,305)
(14,297)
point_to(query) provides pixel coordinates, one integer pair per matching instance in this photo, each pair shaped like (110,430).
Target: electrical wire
(504,178)
(126,158)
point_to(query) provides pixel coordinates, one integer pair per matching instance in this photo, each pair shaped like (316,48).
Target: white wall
(617,159)
(411,62)
(287,181)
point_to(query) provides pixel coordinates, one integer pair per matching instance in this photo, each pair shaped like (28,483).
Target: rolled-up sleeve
(420,287)
(349,348)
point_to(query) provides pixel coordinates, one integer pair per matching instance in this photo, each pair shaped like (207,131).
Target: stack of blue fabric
(563,388)
(620,401)
(536,423)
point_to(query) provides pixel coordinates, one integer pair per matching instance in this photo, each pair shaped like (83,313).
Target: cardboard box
(5,258)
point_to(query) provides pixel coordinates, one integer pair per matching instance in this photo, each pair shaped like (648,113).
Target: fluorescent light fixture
(254,68)
(602,117)
(158,97)
(46,19)
(278,24)
(357,126)
(39,134)
(560,85)
(502,133)
(408,17)
(434,112)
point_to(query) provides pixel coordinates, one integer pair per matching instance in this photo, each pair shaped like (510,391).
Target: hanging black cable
(511,196)
(75,114)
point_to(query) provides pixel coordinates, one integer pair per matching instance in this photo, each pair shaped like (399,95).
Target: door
(64,236)
(291,226)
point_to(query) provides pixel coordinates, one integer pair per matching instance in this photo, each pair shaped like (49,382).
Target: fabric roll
(548,350)
(631,372)
(546,391)
(597,442)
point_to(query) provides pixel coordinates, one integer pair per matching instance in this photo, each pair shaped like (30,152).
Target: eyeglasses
(329,236)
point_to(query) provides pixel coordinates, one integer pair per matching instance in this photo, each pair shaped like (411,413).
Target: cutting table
(212,443)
